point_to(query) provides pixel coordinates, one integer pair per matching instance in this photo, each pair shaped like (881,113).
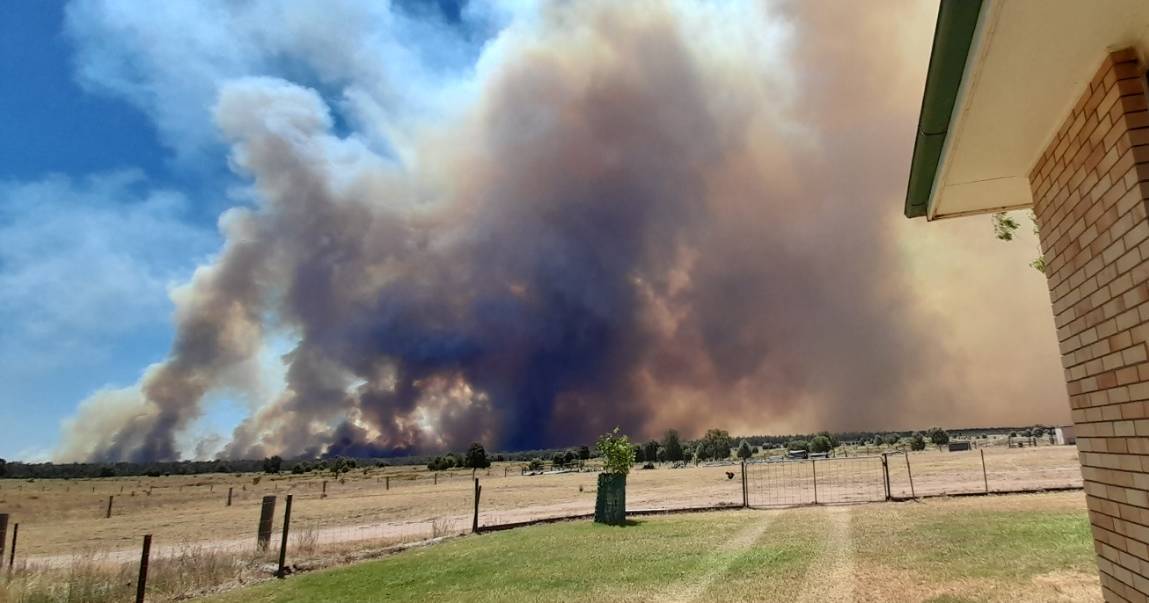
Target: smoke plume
(642,214)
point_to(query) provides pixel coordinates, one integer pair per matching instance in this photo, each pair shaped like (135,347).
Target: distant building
(1065,435)
(958,445)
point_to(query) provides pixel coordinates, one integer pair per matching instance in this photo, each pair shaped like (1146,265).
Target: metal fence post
(142,582)
(909,473)
(283,543)
(745,501)
(475,521)
(984,477)
(814,466)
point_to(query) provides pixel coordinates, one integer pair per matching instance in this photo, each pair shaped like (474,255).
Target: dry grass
(59,516)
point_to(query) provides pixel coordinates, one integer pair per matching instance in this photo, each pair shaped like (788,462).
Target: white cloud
(83,262)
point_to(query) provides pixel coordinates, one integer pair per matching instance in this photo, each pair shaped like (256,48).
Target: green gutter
(953,35)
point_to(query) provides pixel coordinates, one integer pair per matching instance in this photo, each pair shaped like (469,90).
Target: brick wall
(1090,189)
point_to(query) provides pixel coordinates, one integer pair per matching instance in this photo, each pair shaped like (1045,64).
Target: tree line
(715,444)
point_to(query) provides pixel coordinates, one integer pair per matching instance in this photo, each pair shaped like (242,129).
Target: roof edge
(953,37)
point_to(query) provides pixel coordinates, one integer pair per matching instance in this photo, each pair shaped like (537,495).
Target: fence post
(12,552)
(108,515)
(283,543)
(475,521)
(910,473)
(984,477)
(387,484)
(266,516)
(886,472)
(142,583)
(436,480)
(814,465)
(229,489)
(505,471)
(324,493)
(745,502)
(3,534)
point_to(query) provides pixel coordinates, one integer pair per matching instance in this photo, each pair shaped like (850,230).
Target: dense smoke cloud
(641,214)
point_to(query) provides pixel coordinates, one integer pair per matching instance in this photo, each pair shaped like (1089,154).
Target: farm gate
(786,483)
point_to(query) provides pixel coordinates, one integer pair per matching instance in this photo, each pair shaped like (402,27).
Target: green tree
(834,443)
(797,445)
(673,446)
(559,459)
(744,451)
(892,439)
(639,454)
(917,442)
(650,451)
(272,464)
(535,464)
(717,443)
(1038,431)
(583,453)
(616,451)
(821,443)
(938,436)
(3,467)
(476,457)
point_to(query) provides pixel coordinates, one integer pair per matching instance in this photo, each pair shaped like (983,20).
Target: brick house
(1042,104)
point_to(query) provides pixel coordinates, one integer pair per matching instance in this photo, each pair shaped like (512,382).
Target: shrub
(917,442)
(938,436)
(272,464)
(616,452)
(583,453)
(892,439)
(536,464)
(672,444)
(797,445)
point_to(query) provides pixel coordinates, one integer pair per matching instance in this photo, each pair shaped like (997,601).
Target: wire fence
(206,533)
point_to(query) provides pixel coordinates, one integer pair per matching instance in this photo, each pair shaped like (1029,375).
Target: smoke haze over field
(642,214)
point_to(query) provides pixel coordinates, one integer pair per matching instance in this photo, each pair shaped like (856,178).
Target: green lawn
(973,549)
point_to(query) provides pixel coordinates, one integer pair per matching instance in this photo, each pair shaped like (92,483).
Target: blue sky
(112,179)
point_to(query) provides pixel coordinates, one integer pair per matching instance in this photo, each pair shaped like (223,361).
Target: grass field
(998,548)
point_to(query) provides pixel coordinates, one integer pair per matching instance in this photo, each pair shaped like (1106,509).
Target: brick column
(1090,189)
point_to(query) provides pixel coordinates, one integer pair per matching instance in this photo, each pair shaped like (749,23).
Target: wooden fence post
(909,473)
(324,493)
(108,515)
(142,583)
(475,521)
(814,466)
(745,501)
(12,551)
(266,517)
(886,472)
(387,484)
(283,543)
(229,489)
(984,477)
(3,534)
(436,480)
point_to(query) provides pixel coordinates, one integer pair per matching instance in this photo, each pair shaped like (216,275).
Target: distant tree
(1038,431)
(107,471)
(535,464)
(834,443)
(892,439)
(1028,433)
(650,450)
(476,457)
(639,455)
(917,442)
(583,453)
(3,468)
(272,464)
(744,451)
(380,464)
(821,443)
(301,468)
(559,459)
(716,443)
(938,436)
(570,457)
(673,446)
(797,445)
(755,450)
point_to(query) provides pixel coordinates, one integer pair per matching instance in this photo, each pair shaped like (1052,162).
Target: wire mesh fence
(69,543)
